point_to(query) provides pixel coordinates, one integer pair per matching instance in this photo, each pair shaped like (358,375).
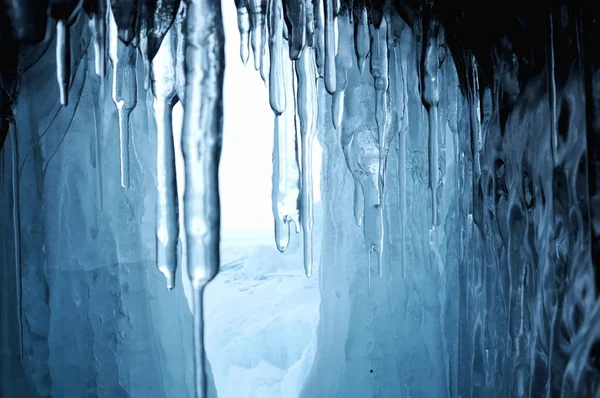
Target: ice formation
(470,164)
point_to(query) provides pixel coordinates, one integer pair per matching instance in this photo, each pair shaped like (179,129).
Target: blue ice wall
(97,319)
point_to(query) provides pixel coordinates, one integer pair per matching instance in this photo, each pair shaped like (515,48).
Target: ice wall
(96,318)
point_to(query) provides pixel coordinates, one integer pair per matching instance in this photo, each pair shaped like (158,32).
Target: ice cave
(299,198)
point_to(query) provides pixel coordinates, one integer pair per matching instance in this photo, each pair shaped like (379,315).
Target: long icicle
(201,145)
(286,170)
(167,212)
(97,25)
(276,93)
(307,113)
(330,47)
(258,10)
(243,20)
(379,71)
(124,92)
(430,95)
(63,60)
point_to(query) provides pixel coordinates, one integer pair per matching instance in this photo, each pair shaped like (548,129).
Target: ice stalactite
(179,26)
(343,62)
(286,170)
(258,12)
(244,28)
(167,213)
(296,15)
(330,31)
(361,148)
(125,14)
(399,106)
(201,146)
(380,73)
(65,12)
(318,35)
(362,42)
(276,76)
(307,113)
(97,24)
(430,94)
(124,92)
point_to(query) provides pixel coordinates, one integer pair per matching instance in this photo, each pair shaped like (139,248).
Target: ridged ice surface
(460,186)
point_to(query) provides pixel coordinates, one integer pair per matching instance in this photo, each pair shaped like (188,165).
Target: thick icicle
(362,43)
(243,21)
(307,113)
(309,7)
(160,19)
(296,14)
(258,10)
(286,171)
(276,22)
(180,59)
(124,92)
(63,60)
(125,14)
(343,62)
(400,108)
(65,12)
(319,35)
(167,212)
(330,46)
(98,27)
(201,145)
(430,95)
(379,71)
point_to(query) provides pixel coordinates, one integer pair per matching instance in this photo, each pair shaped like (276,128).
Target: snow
(261,318)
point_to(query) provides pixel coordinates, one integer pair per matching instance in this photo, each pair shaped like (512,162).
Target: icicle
(125,17)
(337,6)
(97,25)
(286,171)
(379,71)
(319,36)
(63,60)
(258,9)
(167,212)
(276,22)
(124,93)
(552,94)
(296,14)
(309,8)
(244,28)
(307,114)
(430,95)
(359,204)
(343,62)
(201,145)
(180,59)
(330,47)
(362,43)
(401,54)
